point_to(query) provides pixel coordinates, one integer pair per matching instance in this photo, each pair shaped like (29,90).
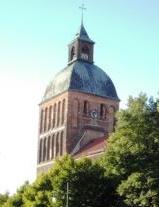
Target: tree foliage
(39,193)
(3,198)
(16,200)
(132,156)
(87,184)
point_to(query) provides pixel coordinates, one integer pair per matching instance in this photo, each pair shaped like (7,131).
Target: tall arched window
(61,144)
(45,121)
(72,53)
(44,150)
(40,150)
(54,116)
(58,113)
(85,107)
(41,120)
(102,111)
(57,144)
(53,147)
(48,148)
(63,112)
(50,117)
(75,112)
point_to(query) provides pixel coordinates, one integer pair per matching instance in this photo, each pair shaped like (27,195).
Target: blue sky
(34,35)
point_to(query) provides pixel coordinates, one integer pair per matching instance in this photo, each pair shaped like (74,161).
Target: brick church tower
(78,107)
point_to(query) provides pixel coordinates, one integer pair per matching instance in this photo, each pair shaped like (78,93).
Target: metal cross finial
(82,8)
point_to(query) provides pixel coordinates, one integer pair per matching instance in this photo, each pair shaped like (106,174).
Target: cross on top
(82,8)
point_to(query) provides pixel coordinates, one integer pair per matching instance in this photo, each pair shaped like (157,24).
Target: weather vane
(82,9)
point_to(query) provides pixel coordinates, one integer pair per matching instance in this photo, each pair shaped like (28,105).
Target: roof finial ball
(82,9)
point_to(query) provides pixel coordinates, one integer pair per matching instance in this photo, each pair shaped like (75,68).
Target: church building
(78,107)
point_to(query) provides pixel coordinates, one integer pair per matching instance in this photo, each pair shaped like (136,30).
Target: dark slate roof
(83,35)
(82,77)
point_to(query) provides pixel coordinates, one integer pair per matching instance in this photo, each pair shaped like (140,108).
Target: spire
(81,48)
(82,9)
(82,34)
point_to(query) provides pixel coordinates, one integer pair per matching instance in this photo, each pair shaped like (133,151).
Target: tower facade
(77,108)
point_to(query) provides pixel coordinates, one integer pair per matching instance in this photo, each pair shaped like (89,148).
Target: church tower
(78,107)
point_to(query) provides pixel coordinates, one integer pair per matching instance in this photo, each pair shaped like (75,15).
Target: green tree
(140,190)
(88,185)
(132,155)
(16,200)
(3,198)
(39,194)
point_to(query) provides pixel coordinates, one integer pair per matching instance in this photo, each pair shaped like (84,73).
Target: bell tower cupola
(81,48)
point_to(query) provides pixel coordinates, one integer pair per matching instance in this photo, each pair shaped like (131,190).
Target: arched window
(85,107)
(72,53)
(40,150)
(45,121)
(44,150)
(41,120)
(85,52)
(102,111)
(50,117)
(63,112)
(53,147)
(57,144)
(48,148)
(61,144)
(75,112)
(58,113)
(85,49)
(54,116)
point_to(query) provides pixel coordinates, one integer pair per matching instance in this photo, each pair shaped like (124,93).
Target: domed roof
(82,77)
